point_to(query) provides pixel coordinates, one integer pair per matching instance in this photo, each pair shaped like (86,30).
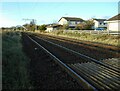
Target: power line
(32,22)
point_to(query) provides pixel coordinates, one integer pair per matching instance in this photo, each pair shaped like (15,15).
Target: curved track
(89,72)
(85,43)
(88,49)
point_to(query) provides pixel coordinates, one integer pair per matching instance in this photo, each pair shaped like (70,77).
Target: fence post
(97,32)
(108,32)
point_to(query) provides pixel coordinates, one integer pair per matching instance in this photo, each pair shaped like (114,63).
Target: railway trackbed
(89,72)
(84,43)
(88,49)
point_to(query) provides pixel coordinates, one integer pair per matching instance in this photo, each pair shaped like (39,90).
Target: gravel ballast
(44,72)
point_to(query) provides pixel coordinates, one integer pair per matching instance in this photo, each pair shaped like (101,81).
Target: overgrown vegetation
(100,38)
(41,28)
(86,25)
(14,63)
(30,27)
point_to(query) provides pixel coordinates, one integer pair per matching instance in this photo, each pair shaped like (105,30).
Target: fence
(94,32)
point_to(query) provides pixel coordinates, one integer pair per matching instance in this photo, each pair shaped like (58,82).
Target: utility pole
(32,22)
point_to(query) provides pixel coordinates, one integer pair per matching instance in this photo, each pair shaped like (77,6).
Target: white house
(53,27)
(114,23)
(99,23)
(71,21)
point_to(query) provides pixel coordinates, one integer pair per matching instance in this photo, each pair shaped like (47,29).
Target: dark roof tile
(72,19)
(54,25)
(100,19)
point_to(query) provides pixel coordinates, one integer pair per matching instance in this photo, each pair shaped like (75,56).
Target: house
(71,21)
(99,23)
(52,27)
(114,23)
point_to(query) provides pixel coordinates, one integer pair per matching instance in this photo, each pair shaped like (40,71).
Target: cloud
(101,17)
(106,17)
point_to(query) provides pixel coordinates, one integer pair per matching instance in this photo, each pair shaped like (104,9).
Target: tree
(42,27)
(3,28)
(87,25)
(30,27)
(65,26)
(80,26)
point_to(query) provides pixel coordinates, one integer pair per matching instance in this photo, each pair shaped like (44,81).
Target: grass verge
(14,62)
(100,38)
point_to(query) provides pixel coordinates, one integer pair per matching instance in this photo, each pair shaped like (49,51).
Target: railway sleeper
(112,77)
(101,69)
(99,76)
(91,79)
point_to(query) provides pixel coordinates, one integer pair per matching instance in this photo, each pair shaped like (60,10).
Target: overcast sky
(12,13)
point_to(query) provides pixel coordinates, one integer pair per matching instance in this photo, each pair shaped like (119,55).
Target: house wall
(97,24)
(113,26)
(73,23)
(70,23)
(49,29)
(63,21)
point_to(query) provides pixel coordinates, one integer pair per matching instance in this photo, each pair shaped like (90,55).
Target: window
(71,22)
(76,22)
(100,23)
(104,23)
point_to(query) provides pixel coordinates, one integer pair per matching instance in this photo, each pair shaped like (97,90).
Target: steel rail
(79,79)
(82,55)
(98,48)
(77,42)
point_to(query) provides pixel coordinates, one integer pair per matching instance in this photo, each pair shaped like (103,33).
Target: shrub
(42,28)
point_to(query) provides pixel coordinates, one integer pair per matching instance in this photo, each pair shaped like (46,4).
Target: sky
(13,13)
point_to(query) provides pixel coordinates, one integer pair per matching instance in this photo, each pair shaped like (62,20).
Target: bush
(42,28)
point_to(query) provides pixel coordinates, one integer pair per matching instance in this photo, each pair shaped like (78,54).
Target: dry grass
(100,38)
(15,73)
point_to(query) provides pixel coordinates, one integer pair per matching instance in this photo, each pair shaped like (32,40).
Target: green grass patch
(15,74)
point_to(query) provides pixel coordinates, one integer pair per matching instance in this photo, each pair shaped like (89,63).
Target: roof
(117,17)
(54,26)
(100,19)
(72,19)
(51,24)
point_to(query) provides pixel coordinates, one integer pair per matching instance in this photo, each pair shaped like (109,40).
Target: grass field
(15,74)
(100,38)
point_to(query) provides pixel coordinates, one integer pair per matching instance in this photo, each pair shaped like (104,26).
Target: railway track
(85,43)
(89,72)
(90,50)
